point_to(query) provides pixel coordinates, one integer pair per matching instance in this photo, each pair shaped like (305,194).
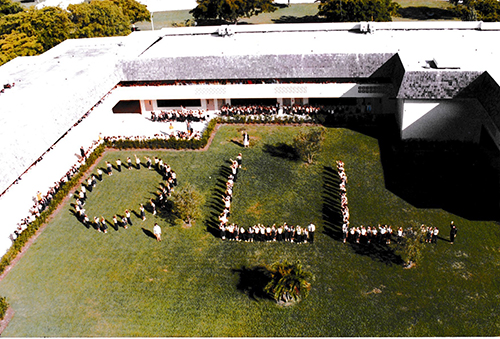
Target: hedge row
(4,305)
(269,119)
(64,190)
(166,143)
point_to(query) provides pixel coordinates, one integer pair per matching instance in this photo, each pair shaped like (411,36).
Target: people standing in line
(104,225)
(157,232)
(127,214)
(124,222)
(137,162)
(97,223)
(153,206)
(116,222)
(453,232)
(435,233)
(311,228)
(109,167)
(119,165)
(129,163)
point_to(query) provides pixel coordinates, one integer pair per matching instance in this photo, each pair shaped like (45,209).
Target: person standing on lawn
(157,232)
(453,232)
(311,228)
(143,212)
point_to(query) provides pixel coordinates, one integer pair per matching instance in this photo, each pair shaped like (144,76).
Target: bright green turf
(78,282)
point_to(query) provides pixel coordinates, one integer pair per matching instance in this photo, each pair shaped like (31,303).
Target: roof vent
(445,63)
(225,30)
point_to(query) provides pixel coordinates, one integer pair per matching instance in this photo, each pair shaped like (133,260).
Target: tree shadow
(426,13)
(378,252)
(282,150)
(252,282)
(289,19)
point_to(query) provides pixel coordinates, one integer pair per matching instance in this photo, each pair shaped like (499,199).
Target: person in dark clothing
(453,232)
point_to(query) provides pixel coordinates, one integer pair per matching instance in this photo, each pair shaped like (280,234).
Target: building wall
(442,119)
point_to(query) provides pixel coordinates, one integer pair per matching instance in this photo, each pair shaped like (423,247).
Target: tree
(18,44)
(308,143)
(50,25)
(8,7)
(187,203)
(289,282)
(98,19)
(358,10)
(412,247)
(230,10)
(135,11)
(473,10)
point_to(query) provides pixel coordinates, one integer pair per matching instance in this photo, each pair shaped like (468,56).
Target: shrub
(4,305)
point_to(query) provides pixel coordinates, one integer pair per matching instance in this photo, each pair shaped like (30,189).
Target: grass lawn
(74,281)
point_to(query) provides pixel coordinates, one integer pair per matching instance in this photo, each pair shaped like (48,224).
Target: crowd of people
(259,232)
(179,115)
(231,110)
(343,193)
(301,109)
(100,223)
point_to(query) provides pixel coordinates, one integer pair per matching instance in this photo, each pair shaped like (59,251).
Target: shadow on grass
(148,233)
(426,13)
(457,177)
(281,150)
(215,203)
(378,252)
(252,282)
(332,214)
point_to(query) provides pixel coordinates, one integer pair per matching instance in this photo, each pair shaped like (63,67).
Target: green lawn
(75,281)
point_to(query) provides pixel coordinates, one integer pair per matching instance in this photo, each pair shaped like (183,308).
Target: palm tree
(289,282)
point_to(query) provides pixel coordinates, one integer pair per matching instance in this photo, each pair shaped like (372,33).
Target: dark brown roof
(430,84)
(255,67)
